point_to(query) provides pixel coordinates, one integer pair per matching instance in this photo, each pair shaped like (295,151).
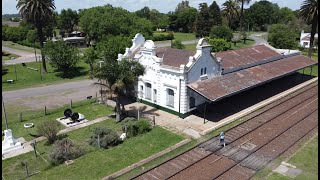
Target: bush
(282,37)
(62,56)
(15,34)
(49,130)
(219,45)
(222,32)
(64,150)
(29,44)
(163,36)
(135,127)
(108,138)
(177,45)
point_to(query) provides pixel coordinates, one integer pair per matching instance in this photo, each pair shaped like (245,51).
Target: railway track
(250,145)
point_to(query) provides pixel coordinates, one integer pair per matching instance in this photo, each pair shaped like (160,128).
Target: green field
(8,56)
(96,163)
(306,160)
(249,42)
(17,46)
(180,36)
(31,78)
(88,108)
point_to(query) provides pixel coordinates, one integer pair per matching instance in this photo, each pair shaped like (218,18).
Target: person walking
(222,139)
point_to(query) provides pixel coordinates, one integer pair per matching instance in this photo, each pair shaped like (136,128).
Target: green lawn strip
(31,78)
(307,71)
(96,164)
(17,46)
(306,160)
(9,56)
(178,151)
(88,108)
(184,36)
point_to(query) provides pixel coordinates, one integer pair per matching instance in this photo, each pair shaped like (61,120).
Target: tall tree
(215,14)
(68,19)
(39,13)
(309,12)
(230,10)
(203,22)
(90,56)
(241,12)
(119,79)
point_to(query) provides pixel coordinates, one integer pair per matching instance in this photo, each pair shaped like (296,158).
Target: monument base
(9,143)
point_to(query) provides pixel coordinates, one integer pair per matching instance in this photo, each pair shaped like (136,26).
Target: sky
(164,6)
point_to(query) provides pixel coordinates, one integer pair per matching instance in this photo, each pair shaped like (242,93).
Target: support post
(204,114)
(154,120)
(311,70)
(70,103)
(15,71)
(5,114)
(34,147)
(138,114)
(96,96)
(45,110)
(99,141)
(20,116)
(26,165)
(40,71)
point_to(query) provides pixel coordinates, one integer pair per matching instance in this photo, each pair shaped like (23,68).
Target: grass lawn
(9,56)
(30,78)
(88,108)
(180,36)
(17,46)
(306,160)
(96,163)
(249,42)
(307,71)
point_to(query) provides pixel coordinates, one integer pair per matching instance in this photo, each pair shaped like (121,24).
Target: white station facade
(168,71)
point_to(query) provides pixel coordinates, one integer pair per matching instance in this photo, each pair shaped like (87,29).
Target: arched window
(170,97)
(148,91)
(192,102)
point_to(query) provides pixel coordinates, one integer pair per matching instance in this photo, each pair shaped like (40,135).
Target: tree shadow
(4,71)
(71,73)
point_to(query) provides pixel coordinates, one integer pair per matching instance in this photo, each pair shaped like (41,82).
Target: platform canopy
(235,82)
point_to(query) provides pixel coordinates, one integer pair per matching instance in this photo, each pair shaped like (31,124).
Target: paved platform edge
(257,106)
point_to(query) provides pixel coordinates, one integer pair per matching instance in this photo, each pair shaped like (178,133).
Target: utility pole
(5,115)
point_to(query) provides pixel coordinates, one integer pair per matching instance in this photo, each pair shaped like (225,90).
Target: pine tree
(215,14)
(203,22)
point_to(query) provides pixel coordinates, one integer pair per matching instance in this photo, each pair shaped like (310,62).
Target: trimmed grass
(30,78)
(307,71)
(9,56)
(180,36)
(249,42)
(306,160)
(184,36)
(96,164)
(88,108)
(17,46)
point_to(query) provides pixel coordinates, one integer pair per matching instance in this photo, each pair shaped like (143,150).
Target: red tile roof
(174,57)
(219,87)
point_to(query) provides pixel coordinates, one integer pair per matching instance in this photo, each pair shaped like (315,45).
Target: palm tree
(309,12)
(230,10)
(241,13)
(40,14)
(119,79)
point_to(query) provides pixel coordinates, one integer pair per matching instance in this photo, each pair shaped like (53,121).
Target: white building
(178,80)
(305,39)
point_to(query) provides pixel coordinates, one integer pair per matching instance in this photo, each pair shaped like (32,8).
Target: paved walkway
(25,56)
(257,37)
(27,145)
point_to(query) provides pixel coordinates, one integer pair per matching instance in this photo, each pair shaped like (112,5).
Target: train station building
(181,81)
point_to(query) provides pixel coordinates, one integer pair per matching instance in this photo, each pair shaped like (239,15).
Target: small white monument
(123,136)
(9,143)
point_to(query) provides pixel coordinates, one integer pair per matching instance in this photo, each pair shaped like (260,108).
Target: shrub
(49,130)
(282,37)
(108,138)
(222,32)
(163,36)
(177,45)
(64,150)
(135,127)
(219,45)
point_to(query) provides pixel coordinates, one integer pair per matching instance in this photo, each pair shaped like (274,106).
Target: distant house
(76,38)
(305,39)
